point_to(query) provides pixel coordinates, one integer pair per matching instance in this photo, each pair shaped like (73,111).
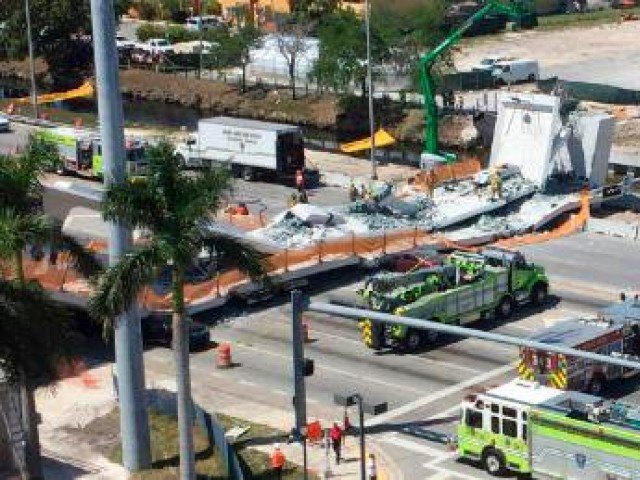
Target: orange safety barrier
(452,171)
(223,359)
(62,276)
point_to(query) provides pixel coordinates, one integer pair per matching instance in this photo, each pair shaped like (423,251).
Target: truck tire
(504,309)
(539,294)
(414,339)
(248,174)
(596,385)
(493,462)
(181,161)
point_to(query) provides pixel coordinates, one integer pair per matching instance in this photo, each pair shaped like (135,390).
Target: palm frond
(34,332)
(84,261)
(205,192)
(134,203)
(17,230)
(246,258)
(117,289)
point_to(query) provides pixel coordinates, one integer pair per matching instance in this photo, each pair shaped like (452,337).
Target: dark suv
(156,330)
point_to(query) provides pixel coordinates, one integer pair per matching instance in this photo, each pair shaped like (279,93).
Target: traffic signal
(308,367)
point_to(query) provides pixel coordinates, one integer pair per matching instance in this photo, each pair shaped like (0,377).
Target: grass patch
(587,19)
(103,433)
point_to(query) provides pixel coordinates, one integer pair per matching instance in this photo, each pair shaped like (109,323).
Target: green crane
(427,83)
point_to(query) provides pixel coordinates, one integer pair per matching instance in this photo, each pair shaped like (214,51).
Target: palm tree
(175,207)
(23,224)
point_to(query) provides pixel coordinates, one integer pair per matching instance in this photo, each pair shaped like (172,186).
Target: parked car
(156,330)
(207,22)
(487,63)
(123,43)
(156,46)
(5,126)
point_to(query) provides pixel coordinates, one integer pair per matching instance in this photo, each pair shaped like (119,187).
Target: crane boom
(427,83)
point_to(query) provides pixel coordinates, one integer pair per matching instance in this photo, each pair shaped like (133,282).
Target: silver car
(4,124)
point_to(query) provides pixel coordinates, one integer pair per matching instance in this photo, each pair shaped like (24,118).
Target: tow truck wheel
(247,174)
(596,385)
(539,294)
(413,341)
(505,308)
(493,462)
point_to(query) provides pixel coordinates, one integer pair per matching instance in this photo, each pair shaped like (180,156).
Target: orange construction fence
(62,276)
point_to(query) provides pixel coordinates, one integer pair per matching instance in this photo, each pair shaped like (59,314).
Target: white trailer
(250,148)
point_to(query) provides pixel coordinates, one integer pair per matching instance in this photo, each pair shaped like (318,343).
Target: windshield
(487,61)
(162,43)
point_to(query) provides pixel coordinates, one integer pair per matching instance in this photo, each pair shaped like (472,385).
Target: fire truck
(615,331)
(80,151)
(531,429)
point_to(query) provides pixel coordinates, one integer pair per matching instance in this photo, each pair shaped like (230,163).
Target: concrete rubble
(542,161)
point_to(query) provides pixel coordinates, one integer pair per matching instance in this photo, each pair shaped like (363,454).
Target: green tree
(176,208)
(23,225)
(342,53)
(233,49)
(57,26)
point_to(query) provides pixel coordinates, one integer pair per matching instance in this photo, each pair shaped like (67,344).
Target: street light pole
(134,423)
(362,444)
(367,19)
(32,67)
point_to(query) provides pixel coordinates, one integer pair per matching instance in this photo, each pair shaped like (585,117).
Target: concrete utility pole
(134,424)
(32,64)
(372,127)
(299,389)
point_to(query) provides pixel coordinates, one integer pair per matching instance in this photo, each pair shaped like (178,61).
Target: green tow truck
(464,288)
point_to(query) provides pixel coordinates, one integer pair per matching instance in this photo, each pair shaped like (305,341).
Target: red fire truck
(615,331)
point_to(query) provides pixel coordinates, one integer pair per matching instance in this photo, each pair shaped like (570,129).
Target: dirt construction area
(608,54)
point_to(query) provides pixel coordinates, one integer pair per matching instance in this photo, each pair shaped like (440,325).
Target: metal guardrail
(164,401)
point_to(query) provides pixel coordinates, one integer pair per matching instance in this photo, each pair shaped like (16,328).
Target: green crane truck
(530,429)
(520,11)
(80,151)
(467,287)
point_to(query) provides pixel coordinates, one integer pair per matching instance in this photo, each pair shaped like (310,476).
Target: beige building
(264,9)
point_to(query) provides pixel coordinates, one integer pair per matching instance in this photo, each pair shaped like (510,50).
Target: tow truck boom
(427,83)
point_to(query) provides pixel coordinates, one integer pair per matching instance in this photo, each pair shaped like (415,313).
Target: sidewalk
(78,400)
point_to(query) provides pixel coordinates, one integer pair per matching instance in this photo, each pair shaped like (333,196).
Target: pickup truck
(156,46)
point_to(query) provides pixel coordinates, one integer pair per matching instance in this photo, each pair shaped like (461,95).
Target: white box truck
(250,148)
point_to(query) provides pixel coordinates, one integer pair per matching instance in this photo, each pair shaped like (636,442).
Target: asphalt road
(422,389)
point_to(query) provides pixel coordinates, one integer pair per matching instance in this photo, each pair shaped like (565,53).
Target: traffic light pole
(299,391)
(134,423)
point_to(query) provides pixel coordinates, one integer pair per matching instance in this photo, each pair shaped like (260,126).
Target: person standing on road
(346,426)
(372,468)
(277,462)
(336,441)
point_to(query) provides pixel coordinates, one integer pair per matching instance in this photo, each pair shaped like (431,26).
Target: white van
(514,71)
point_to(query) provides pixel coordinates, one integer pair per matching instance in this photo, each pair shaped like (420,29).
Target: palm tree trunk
(183,379)
(19,268)
(28,399)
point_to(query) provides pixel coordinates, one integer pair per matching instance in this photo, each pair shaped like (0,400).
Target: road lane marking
(415,447)
(445,392)
(248,383)
(277,391)
(334,370)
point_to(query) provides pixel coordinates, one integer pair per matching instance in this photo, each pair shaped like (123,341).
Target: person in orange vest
(242,209)
(299,180)
(277,461)
(336,440)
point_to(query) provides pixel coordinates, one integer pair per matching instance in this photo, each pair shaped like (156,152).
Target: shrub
(148,30)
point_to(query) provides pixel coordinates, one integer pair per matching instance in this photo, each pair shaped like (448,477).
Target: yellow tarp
(382,139)
(84,90)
